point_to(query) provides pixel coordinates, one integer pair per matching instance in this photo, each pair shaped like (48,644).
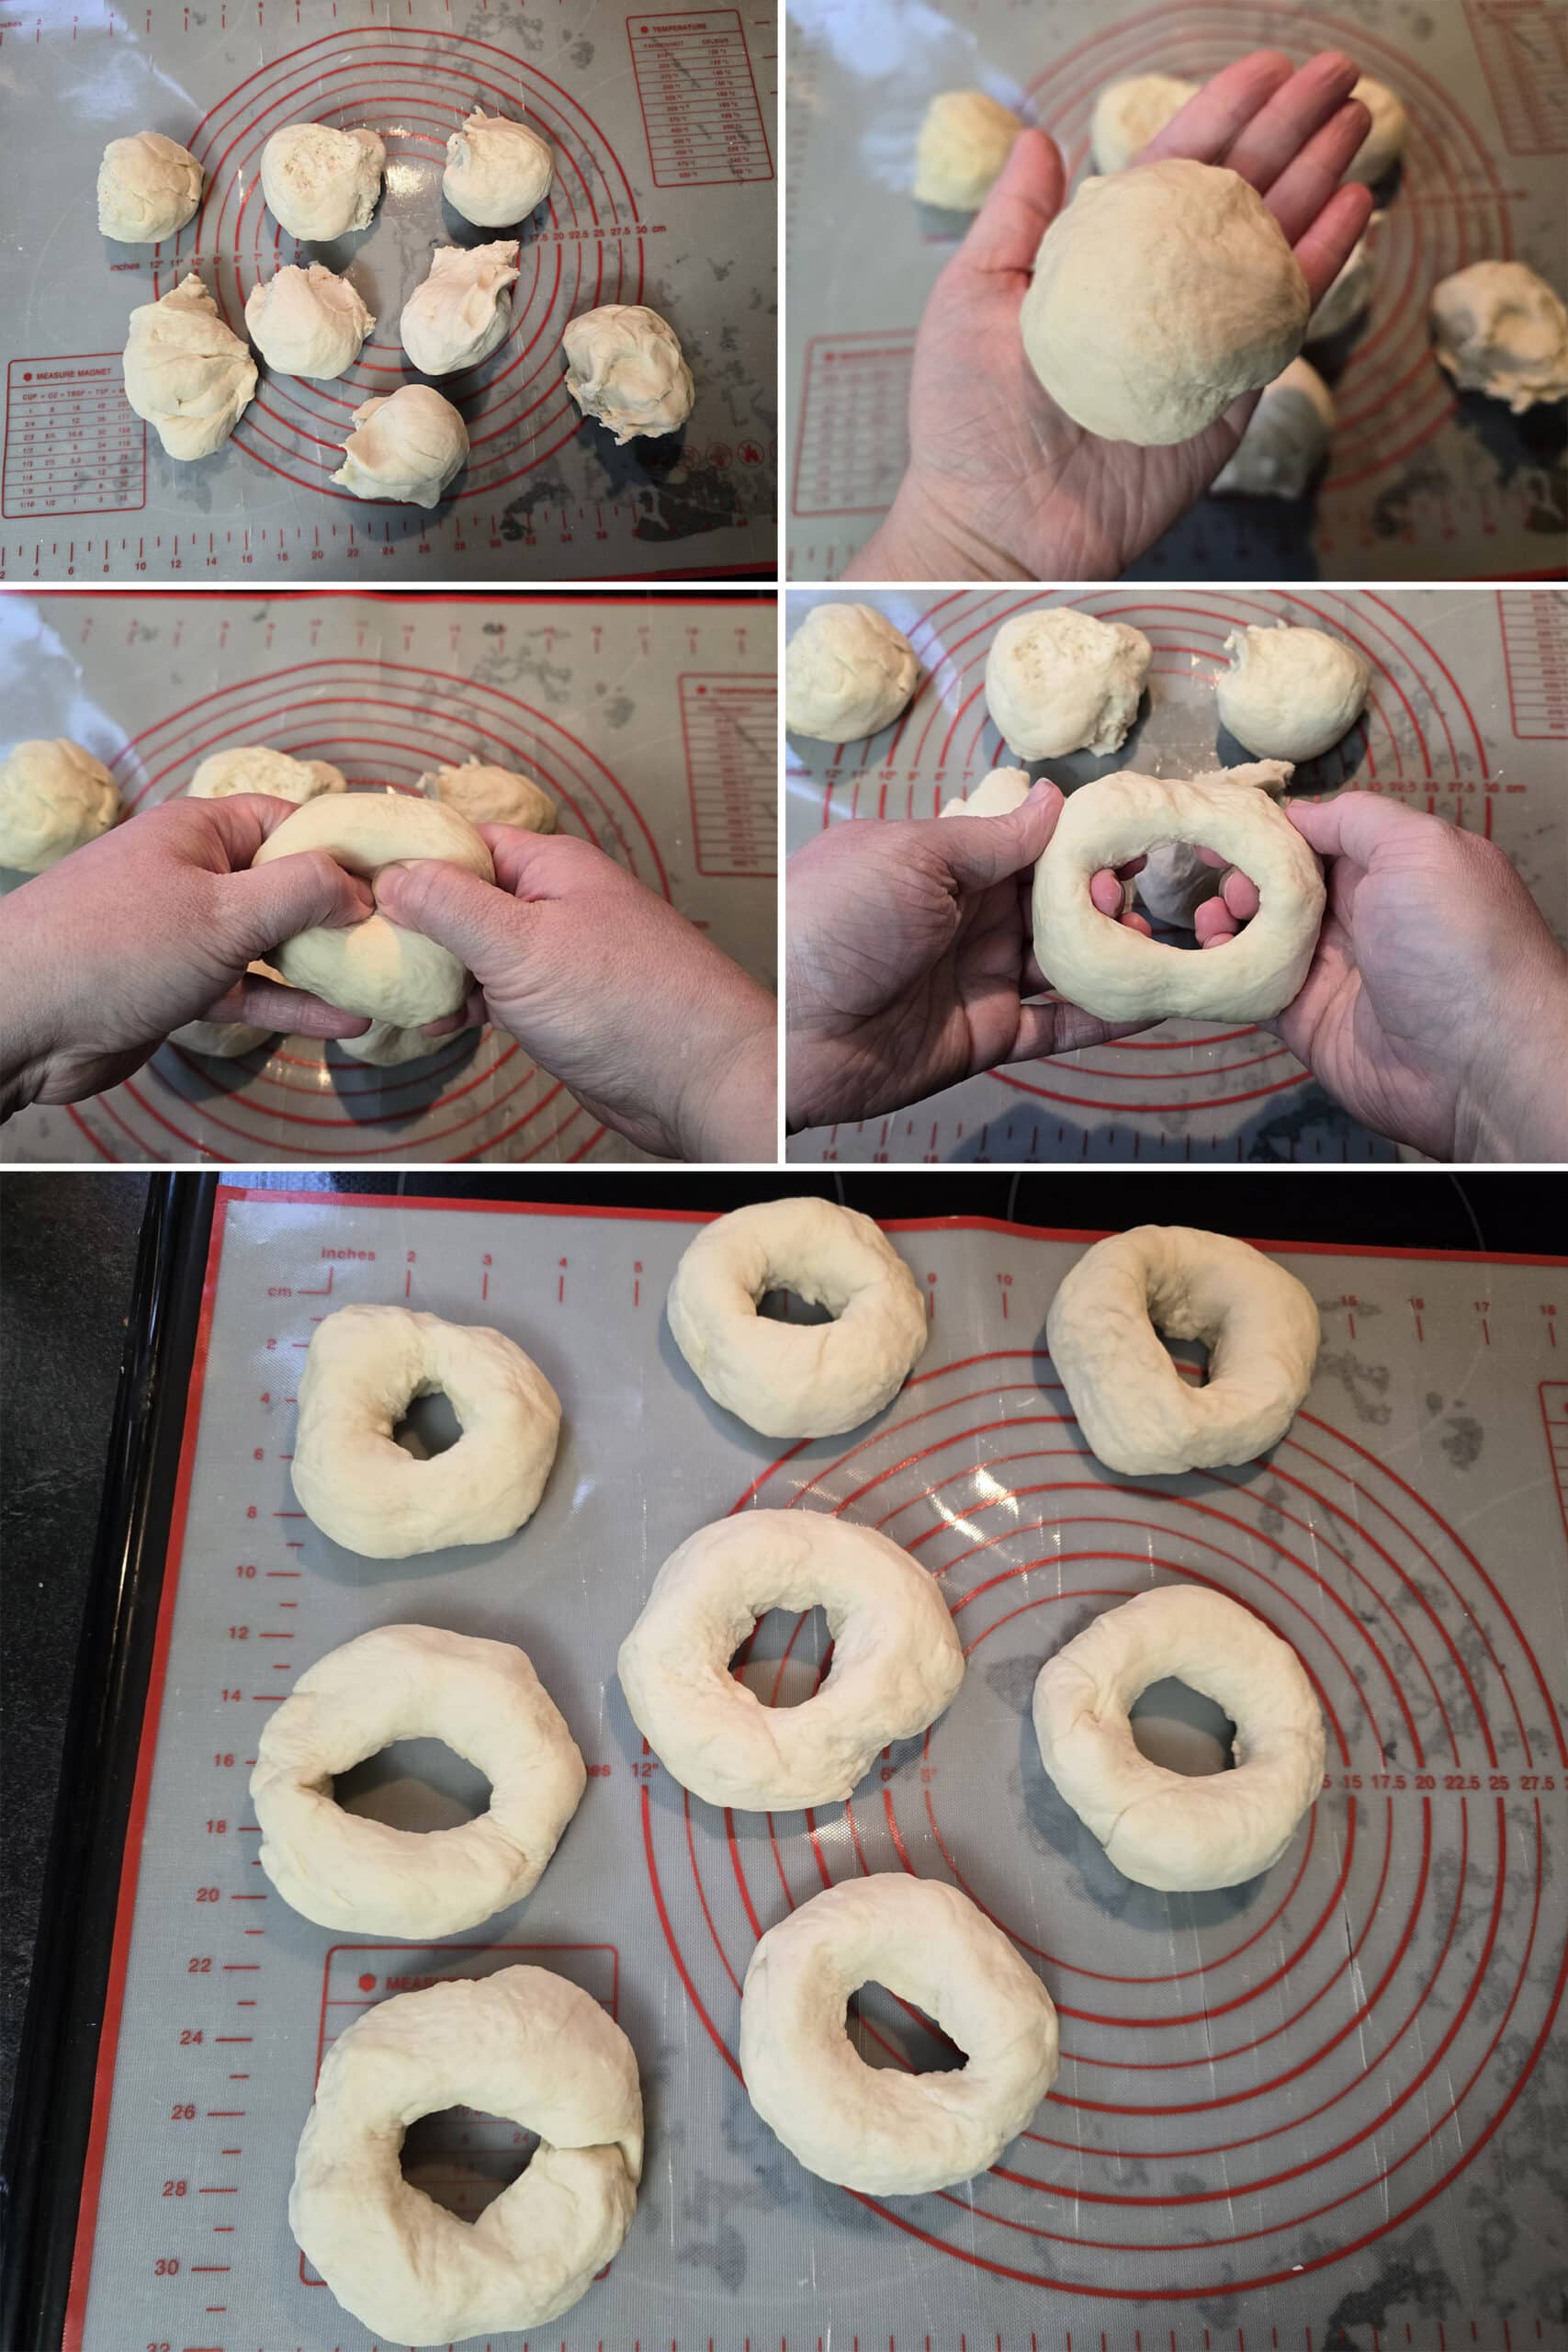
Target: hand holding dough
(491,796)
(256,767)
(497,170)
(1501,330)
(1285,437)
(848,673)
(308,321)
(408,446)
(148,187)
(320,183)
(54,796)
(186,373)
(624,370)
(1061,681)
(966,139)
(1291,693)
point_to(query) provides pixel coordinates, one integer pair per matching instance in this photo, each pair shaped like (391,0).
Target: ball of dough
(320,183)
(1127,115)
(307,322)
(497,170)
(996,795)
(408,445)
(1501,330)
(256,767)
(1384,142)
(491,796)
(1348,295)
(848,673)
(54,796)
(1061,681)
(623,369)
(148,187)
(458,314)
(186,373)
(1158,297)
(1285,439)
(1175,881)
(1291,693)
(966,139)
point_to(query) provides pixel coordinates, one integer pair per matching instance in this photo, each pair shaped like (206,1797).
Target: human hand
(151,926)
(1002,483)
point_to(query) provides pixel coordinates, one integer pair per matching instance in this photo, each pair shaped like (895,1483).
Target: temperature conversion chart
(1320,2109)
(1467,717)
(649,722)
(662,132)
(1419,482)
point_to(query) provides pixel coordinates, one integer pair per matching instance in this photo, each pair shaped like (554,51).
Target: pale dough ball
(1501,330)
(623,369)
(462,310)
(1350,292)
(1286,437)
(1158,297)
(1291,693)
(497,170)
(186,373)
(408,446)
(966,139)
(54,796)
(307,322)
(320,183)
(1061,681)
(491,796)
(1384,142)
(1127,115)
(1175,882)
(996,795)
(848,673)
(148,187)
(387,1047)
(256,767)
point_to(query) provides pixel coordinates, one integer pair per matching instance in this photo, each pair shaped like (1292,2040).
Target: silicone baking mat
(1318,2109)
(1467,717)
(650,722)
(661,125)
(1418,484)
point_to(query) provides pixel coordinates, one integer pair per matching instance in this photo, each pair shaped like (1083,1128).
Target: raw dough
(1384,142)
(1127,115)
(364,1368)
(624,370)
(1160,295)
(996,795)
(1285,437)
(1291,693)
(497,170)
(848,673)
(875,2128)
(1175,881)
(966,139)
(1179,1830)
(521,2043)
(186,374)
(308,321)
(408,445)
(1350,292)
(222,1040)
(256,767)
(897,1662)
(148,187)
(1139,1415)
(55,798)
(1501,330)
(1118,974)
(797,1379)
(387,1047)
(459,313)
(376,968)
(1061,681)
(491,796)
(320,182)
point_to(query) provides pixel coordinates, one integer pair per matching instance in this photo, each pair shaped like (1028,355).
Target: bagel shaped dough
(1349,293)
(1128,114)
(1384,142)
(186,374)
(875,2128)
(1181,1831)
(1175,881)
(257,767)
(523,2043)
(408,445)
(626,369)
(55,798)
(377,968)
(1291,694)
(364,1368)
(307,322)
(797,1379)
(1061,681)
(497,170)
(1159,295)
(1119,975)
(148,187)
(996,795)
(1285,439)
(896,1659)
(1500,330)
(1140,1416)
(491,796)
(848,673)
(320,183)
(965,140)
(461,311)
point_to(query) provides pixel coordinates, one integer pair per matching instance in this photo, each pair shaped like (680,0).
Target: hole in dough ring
(797,1379)
(364,1368)
(1167,1829)
(1119,975)
(485,1702)
(876,2129)
(896,1658)
(1139,1416)
(524,2044)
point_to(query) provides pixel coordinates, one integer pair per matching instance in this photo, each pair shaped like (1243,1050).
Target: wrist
(919,539)
(729,1111)
(26,1037)
(1514,1105)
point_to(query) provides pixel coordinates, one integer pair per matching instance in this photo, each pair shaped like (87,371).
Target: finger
(267,1005)
(460,911)
(270,903)
(540,866)
(1325,246)
(978,850)
(1105,893)
(1058,1027)
(1207,124)
(1133,921)
(1357,825)
(1019,208)
(1215,923)
(1305,185)
(1269,144)
(1240,895)
(1134,865)
(242,821)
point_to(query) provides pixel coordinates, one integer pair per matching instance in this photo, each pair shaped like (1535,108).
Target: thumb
(1019,208)
(978,850)
(457,909)
(1357,825)
(268,904)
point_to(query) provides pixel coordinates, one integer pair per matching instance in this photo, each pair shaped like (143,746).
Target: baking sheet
(1319,2109)
(651,723)
(1419,484)
(662,125)
(1467,717)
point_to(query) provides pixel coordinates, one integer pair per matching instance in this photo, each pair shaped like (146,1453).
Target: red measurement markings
(730,728)
(1554,1420)
(72,446)
(850,447)
(1535,660)
(1523,47)
(701,113)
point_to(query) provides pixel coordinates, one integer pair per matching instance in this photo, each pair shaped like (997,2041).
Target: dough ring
(485,1702)
(521,2043)
(896,1659)
(876,2129)
(1176,1830)
(1119,975)
(797,1379)
(364,1368)
(1140,1416)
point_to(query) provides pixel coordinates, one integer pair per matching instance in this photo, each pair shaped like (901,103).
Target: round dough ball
(256,767)
(1291,693)
(1158,297)
(1285,439)
(320,183)
(307,322)
(1061,681)
(497,170)
(1348,295)
(1384,142)
(1127,115)
(458,314)
(491,796)
(1501,330)
(186,373)
(966,139)
(848,673)
(625,368)
(148,187)
(408,446)
(54,796)
(996,795)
